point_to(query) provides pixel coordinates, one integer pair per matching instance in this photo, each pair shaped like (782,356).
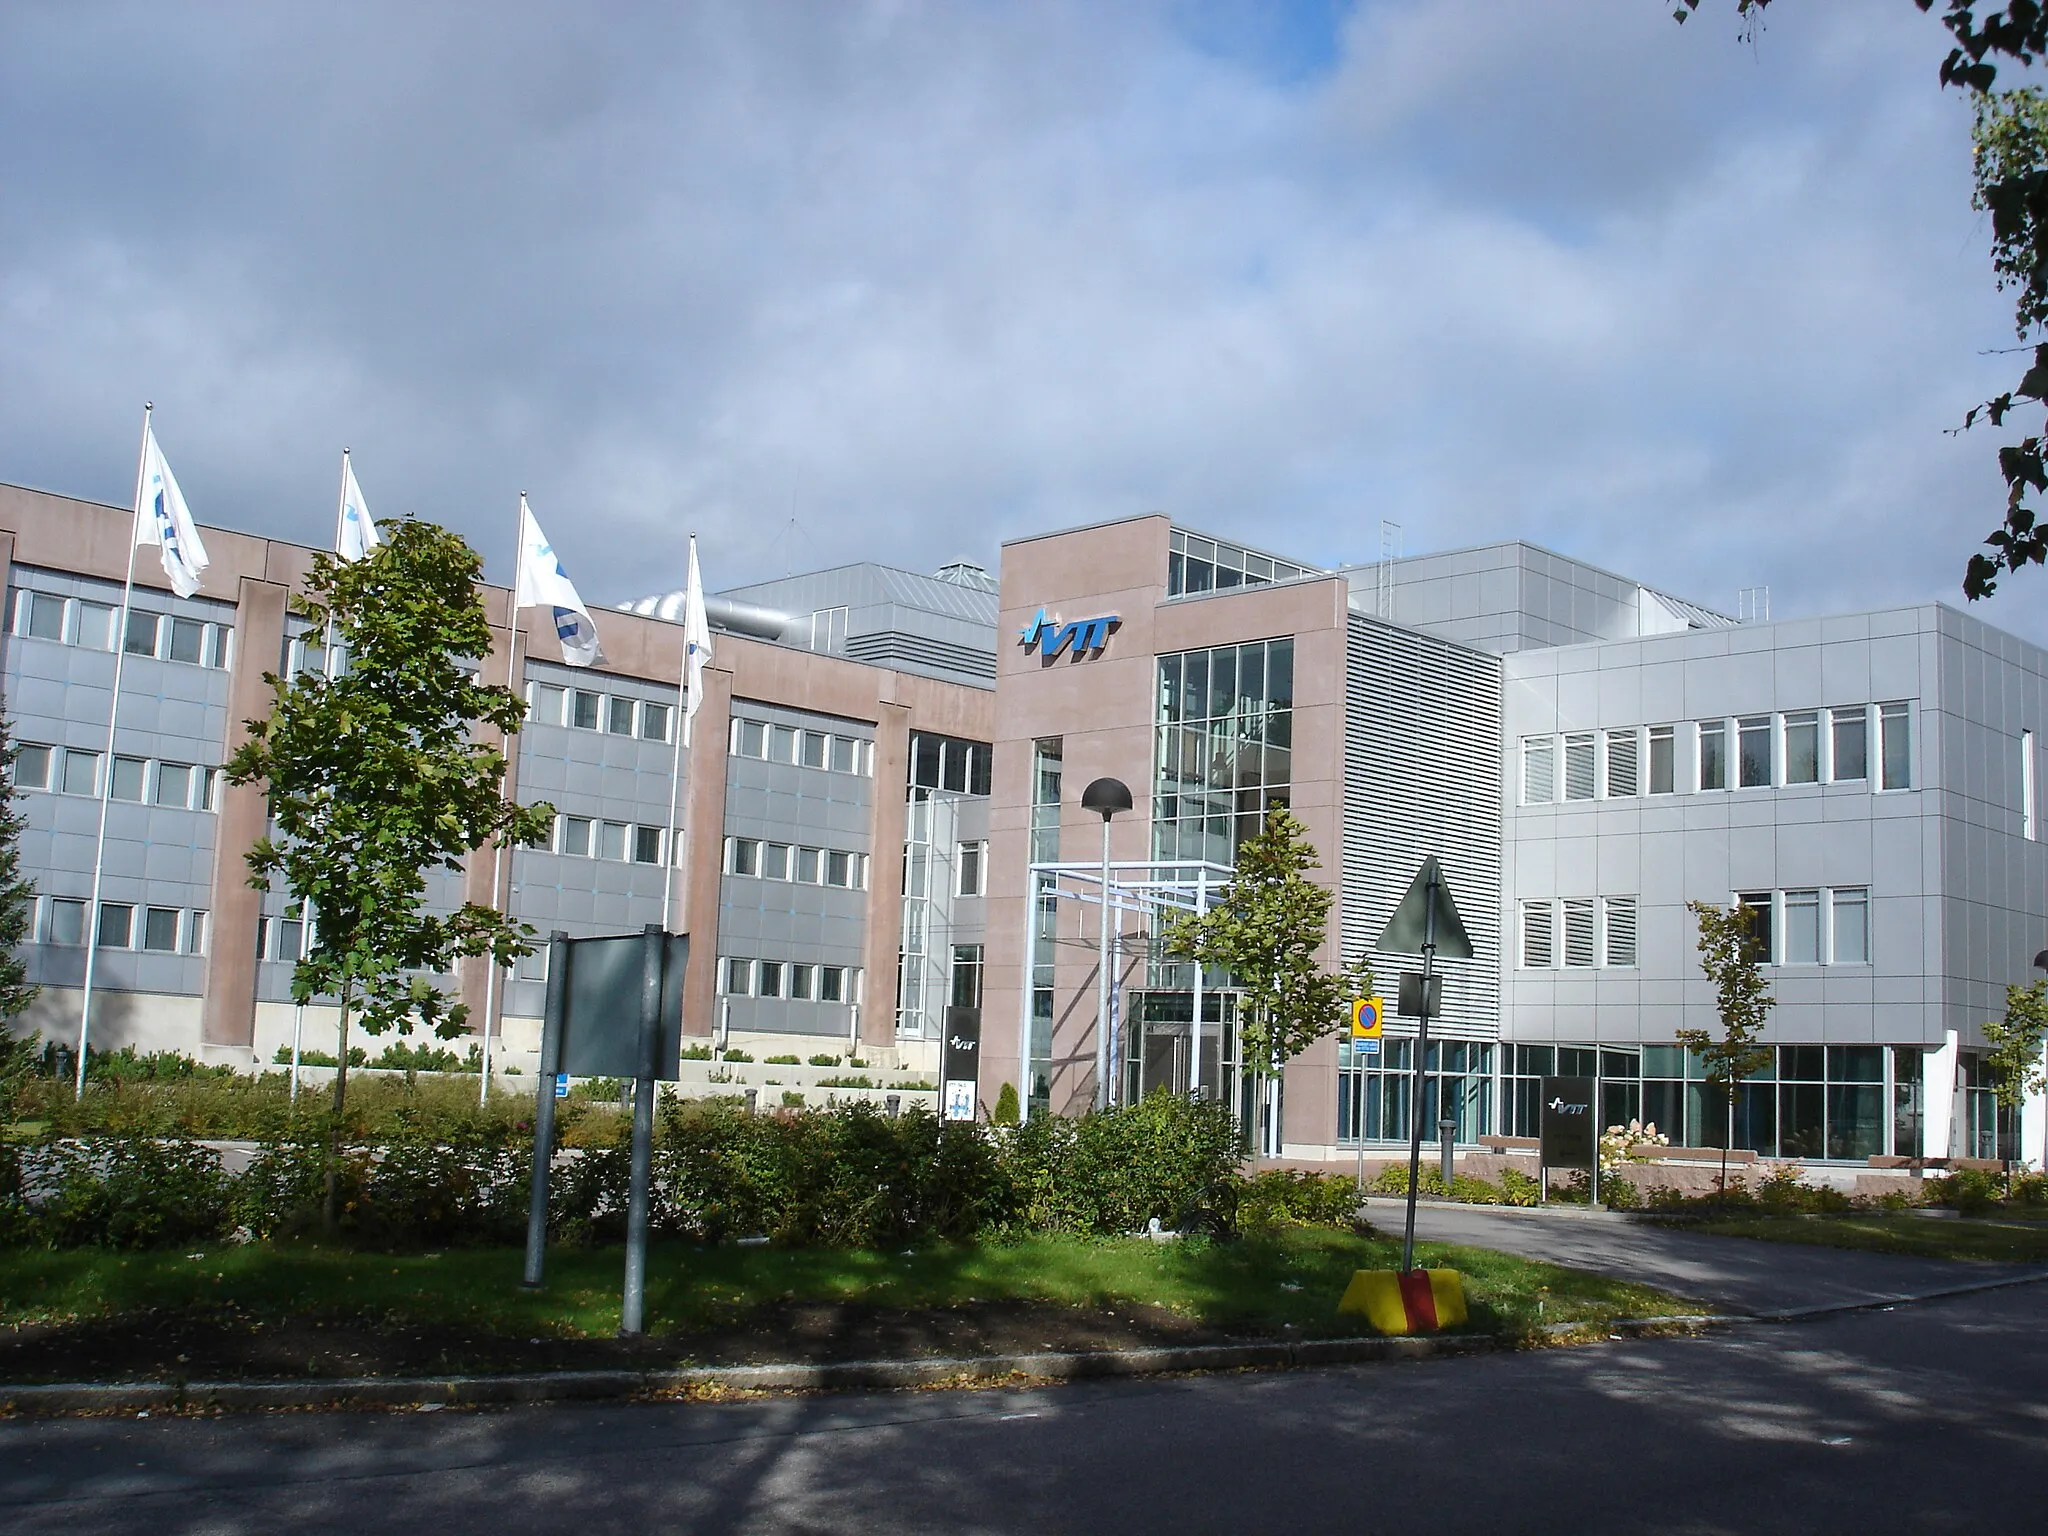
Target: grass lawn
(1997,1239)
(86,1312)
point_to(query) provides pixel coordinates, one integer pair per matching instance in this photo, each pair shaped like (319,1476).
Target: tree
(1266,929)
(2011,174)
(377,775)
(2014,1063)
(1732,960)
(17,892)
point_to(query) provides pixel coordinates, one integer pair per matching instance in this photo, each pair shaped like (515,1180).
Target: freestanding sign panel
(961,1068)
(600,1023)
(1568,1130)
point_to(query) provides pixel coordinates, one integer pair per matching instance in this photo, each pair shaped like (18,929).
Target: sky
(884,279)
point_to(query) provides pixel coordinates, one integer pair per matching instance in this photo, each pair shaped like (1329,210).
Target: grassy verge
(1875,1232)
(1285,1285)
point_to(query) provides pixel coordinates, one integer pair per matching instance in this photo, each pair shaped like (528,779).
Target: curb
(983,1370)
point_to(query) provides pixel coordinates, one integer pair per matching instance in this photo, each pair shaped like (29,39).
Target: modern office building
(879,820)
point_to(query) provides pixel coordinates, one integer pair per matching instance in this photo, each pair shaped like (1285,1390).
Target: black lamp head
(1106,797)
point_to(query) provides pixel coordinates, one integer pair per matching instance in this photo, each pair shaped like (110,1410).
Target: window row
(805,749)
(284,938)
(585,837)
(82,622)
(1195,563)
(124,925)
(805,866)
(1579,932)
(798,980)
(1824,926)
(580,709)
(948,763)
(140,780)
(1811,746)
(970,869)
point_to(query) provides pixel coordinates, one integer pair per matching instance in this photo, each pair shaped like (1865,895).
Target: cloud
(904,279)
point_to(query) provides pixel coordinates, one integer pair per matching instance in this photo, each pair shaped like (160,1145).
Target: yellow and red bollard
(1406,1301)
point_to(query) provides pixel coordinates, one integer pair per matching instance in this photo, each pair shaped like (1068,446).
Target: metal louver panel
(892,646)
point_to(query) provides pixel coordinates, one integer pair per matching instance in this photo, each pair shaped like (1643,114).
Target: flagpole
(497,850)
(676,843)
(99,848)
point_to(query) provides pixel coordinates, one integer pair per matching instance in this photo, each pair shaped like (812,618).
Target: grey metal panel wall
(1421,777)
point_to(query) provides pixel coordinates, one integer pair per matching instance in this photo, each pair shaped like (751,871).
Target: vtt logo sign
(1083,636)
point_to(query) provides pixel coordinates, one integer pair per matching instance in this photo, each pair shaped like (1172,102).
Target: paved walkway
(1733,1273)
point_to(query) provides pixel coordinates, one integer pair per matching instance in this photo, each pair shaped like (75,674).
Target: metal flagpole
(99,847)
(676,844)
(483,1092)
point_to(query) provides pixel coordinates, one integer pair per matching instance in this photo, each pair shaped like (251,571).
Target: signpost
(1569,1132)
(1426,923)
(1368,1020)
(614,1009)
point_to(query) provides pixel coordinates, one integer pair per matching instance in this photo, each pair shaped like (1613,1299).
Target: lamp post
(1105,797)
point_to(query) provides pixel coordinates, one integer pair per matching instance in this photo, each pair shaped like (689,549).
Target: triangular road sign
(1409,926)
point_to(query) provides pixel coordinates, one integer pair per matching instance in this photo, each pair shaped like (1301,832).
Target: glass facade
(1375,1093)
(1195,563)
(1047,763)
(1224,722)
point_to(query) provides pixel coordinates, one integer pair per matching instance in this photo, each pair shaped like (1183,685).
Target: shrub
(308,1057)
(401,1056)
(135,1192)
(1114,1170)
(1393,1180)
(792,1099)
(1006,1106)
(738,1056)
(1282,1197)
(125,1066)
(2029,1189)
(696,1053)
(1517,1188)
(781,1061)
(822,1060)
(1971,1191)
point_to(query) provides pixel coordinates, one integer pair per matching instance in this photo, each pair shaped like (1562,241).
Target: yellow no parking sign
(1367,1015)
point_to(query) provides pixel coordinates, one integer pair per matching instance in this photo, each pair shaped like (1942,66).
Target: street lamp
(1105,797)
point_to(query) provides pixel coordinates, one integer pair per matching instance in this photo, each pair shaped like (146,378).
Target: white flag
(542,583)
(696,643)
(162,519)
(355,533)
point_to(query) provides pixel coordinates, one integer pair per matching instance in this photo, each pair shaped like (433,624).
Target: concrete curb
(983,1370)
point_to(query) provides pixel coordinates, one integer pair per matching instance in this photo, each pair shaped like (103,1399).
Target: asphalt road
(1922,1418)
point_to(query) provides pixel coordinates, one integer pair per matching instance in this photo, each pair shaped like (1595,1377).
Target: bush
(822,1060)
(738,1056)
(1284,1198)
(696,1053)
(136,1192)
(1970,1191)
(2029,1189)
(124,1066)
(782,1061)
(792,1099)
(399,1056)
(1006,1106)
(357,1057)
(1114,1170)
(1393,1180)
(1517,1188)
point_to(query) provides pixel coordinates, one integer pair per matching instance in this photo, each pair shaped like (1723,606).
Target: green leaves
(2014,1064)
(1732,961)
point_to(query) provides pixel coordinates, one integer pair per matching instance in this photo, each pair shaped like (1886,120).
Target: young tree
(17,892)
(2014,1063)
(1266,929)
(382,772)
(1732,960)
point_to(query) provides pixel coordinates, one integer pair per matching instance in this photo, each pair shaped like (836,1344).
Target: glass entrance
(1159,1041)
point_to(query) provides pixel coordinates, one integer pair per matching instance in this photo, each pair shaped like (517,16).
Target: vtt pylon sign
(1083,636)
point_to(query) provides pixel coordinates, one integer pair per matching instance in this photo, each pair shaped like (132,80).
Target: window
(1850,912)
(654,722)
(1621,764)
(549,702)
(1620,927)
(174,784)
(1850,732)
(969,869)
(809,863)
(768,978)
(814,749)
(92,626)
(81,772)
(129,773)
(1713,754)
(142,629)
(1539,770)
(1753,747)
(533,967)
(749,738)
(944,762)
(839,869)
(618,716)
(2027,828)
(39,615)
(117,924)
(291,939)
(1579,946)
(576,836)
(775,861)
(1539,943)
(612,840)
(32,767)
(967,967)
(1578,766)
(64,922)
(160,930)
(1759,904)
(832,984)
(1663,758)
(1802,748)
(647,845)
(1895,744)
(583,709)
(195,932)
(188,641)
(843,754)
(801,982)
(738,977)
(1802,928)
(742,856)
(782,744)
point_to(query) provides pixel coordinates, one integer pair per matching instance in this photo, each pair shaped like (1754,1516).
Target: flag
(542,583)
(162,519)
(696,643)
(355,531)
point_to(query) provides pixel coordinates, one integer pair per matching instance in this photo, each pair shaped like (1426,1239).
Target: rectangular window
(2027,828)
(533,967)
(188,641)
(1580,948)
(750,738)
(1849,732)
(92,626)
(174,784)
(612,840)
(801,978)
(742,856)
(782,744)
(1663,759)
(81,772)
(1620,928)
(1713,754)
(1802,748)
(1539,942)
(814,749)
(831,983)
(970,870)
(1802,928)
(65,922)
(142,628)
(129,775)
(549,703)
(739,977)
(220,644)
(160,930)
(1753,744)
(1578,766)
(1539,770)
(1621,764)
(195,932)
(618,717)
(1850,911)
(1895,738)
(209,787)
(1759,905)
(775,861)
(291,939)
(576,836)
(768,978)
(583,709)
(654,722)
(117,924)
(843,754)
(39,615)
(32,767)
(647,845)
(262,938)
